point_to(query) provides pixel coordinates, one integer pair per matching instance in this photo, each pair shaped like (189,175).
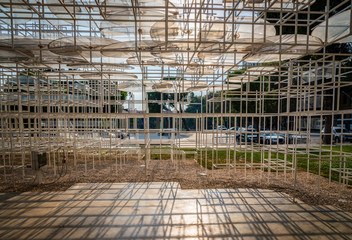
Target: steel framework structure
(276,65)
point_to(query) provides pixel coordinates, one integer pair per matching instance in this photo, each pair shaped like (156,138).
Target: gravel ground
(190,176)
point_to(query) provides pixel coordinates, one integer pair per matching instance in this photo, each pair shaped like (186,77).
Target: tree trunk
(183,120)
(327,130)
(328,118)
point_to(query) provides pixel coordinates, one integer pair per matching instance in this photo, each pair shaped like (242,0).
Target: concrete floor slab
(165,211)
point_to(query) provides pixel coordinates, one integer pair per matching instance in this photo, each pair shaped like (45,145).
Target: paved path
(163,210)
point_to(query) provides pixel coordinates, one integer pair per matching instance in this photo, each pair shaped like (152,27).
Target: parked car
(120,134)
(221,128)
(230,130)
(339,134)
(293,138)
(271,138)
(251,127)
(239,130)
(247,134)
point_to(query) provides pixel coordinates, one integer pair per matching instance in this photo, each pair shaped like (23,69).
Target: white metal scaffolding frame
(108,82)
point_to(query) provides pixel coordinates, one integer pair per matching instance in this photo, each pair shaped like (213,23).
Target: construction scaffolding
(89,82)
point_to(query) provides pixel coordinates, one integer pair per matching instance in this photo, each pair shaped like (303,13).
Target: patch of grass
(345,148)
(305,162)
(323,164)
(223,157)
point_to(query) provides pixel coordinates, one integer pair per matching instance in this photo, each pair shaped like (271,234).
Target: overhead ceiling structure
(199,40)
(79,74)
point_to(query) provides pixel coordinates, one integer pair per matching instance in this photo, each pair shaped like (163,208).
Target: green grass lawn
(307,161)
(345,148)
(326,161)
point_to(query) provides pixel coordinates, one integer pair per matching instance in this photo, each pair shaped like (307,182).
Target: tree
(193,108)
(320,6)
(156,107)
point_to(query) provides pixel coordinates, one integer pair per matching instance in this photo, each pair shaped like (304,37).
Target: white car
(339,134)
(295,138)
(221,128)
(271,138)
